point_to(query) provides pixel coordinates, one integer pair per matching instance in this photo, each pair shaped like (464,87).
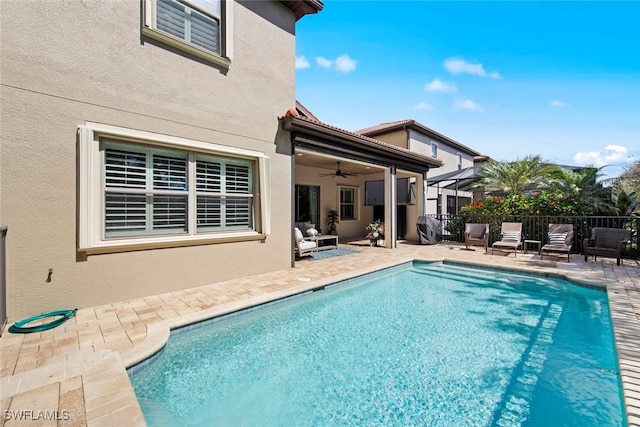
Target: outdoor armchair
(607,242)
(476,234)
(303,246)
(510,237)
(560,239)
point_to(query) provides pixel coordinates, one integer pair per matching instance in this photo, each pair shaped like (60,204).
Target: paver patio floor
(77,371)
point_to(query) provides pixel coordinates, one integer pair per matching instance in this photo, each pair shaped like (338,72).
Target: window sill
(106,247)
(187,47)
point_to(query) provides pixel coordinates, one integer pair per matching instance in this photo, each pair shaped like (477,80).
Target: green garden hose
(62,316)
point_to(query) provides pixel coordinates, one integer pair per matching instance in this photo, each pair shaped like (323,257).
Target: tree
(516,177)
(582,190)
(629,180)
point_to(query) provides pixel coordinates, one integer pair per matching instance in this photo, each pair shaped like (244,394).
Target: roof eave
(412,124)
(303,7)
(292,124)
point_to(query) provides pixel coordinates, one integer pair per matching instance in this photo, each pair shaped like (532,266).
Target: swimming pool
(423,344)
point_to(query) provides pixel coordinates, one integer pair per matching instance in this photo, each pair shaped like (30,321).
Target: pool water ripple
(431,344)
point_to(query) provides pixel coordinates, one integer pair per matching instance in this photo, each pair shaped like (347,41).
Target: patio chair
(510,237)
(607,242)
(303,246)
(476,234)
(560,239)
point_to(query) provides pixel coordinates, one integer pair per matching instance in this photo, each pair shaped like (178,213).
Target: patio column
(390,208)
(425,189)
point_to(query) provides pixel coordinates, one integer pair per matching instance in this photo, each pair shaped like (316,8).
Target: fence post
(3,279)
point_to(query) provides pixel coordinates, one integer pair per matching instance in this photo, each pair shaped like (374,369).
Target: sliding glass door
(308,204)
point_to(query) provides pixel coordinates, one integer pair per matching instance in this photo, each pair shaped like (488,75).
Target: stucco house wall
(449,156)
(397,138)
(65,64)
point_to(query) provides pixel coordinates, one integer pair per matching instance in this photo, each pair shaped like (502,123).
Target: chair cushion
(511,236)
(557,238)
(298,233)
(305,244)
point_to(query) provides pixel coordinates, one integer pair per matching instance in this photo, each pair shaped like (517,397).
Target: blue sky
(506,78)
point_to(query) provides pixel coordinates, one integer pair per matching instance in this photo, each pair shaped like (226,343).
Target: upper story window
(144,190)
(459,157)
(199,27)
(434,149)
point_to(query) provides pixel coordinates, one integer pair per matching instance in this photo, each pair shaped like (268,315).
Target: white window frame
(91,227)
(151,30)
(356,210)
(434,149)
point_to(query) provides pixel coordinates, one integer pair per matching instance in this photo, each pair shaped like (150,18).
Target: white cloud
(302,63)
(438,85)
(324,62)
(611,154)
(466,104)
(557,103)
(423,106)
(342,64)
(345,64)
(460,66)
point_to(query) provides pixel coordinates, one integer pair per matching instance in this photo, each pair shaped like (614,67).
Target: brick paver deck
(77,371)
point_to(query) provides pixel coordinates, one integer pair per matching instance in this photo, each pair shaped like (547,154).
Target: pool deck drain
(76,373)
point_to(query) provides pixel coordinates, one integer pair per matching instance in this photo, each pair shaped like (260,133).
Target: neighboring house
(443,196)
(377,180)
(129,163)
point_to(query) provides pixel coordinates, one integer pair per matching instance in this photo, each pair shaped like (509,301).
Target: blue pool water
(426,344)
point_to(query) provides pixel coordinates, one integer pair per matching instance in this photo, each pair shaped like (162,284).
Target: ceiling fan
(339,173)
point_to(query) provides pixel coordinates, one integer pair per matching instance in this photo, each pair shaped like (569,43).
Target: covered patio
(362,178)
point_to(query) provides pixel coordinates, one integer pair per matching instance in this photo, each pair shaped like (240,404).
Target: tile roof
(383,128)
(294,113)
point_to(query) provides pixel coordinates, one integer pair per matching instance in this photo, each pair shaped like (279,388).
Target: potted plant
(333,217)
(376,232)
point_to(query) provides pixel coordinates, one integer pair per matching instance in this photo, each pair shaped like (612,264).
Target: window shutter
(171,18)
(125,214)
(125,169)
(188,24)
(205,32)
(238,209)
(169,213)
(237,179)
(169,173)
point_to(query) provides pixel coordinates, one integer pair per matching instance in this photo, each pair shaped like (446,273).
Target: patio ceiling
(311,159)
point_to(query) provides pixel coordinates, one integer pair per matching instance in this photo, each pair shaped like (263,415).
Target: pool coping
(106,368)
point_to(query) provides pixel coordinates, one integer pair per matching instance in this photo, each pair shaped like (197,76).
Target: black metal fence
(537,227)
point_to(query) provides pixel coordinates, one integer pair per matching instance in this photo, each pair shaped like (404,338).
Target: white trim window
(348,203)
(434,149)
(200,27)
(459,158)
(138,188)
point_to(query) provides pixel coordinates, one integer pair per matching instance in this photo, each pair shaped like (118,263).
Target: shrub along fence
(537,227)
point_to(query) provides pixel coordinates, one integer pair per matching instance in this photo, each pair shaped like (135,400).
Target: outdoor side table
(330,241)
(532,242)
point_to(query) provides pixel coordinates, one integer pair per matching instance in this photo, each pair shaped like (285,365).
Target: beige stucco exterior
(68,63)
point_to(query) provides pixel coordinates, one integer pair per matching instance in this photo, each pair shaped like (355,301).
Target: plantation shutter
(238,210)
(188,24)
(169,211)
(209,206)
(124,213)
